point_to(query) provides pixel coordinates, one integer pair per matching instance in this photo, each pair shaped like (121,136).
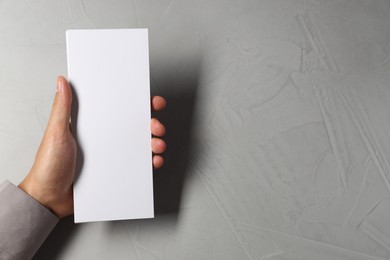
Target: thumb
(60,112)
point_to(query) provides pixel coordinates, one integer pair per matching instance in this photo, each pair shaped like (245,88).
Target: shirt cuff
(24,222)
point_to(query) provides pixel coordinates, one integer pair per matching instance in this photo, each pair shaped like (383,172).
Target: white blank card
(109,72)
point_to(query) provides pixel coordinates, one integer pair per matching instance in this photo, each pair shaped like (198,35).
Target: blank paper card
(109,73)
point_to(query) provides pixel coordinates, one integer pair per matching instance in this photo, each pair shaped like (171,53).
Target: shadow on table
(179,85)
(74,119)
(58,240)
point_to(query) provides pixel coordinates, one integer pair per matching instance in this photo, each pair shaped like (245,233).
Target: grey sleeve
(24,223)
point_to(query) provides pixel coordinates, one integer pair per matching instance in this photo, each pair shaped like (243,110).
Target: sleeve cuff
(24,222)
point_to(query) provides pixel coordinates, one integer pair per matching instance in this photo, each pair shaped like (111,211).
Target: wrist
(29,189)
(60,205)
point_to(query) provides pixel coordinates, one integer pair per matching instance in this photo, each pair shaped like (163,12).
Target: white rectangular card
(109,72)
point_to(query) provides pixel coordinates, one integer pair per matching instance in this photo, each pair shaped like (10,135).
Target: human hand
(50,179)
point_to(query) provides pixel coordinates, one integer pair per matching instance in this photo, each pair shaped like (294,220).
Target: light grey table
(278,125)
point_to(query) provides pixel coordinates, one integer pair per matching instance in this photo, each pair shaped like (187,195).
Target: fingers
(158,161)
(157,128)
(158,145)
(60,113)
(158,103)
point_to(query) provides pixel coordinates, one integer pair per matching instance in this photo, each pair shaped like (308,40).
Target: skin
(50,180)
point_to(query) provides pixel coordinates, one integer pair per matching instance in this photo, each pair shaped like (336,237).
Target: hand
(50,179)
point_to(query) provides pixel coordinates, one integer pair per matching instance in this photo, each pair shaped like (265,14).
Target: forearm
(24,223)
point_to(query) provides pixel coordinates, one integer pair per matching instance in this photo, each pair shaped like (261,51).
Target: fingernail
(59,84)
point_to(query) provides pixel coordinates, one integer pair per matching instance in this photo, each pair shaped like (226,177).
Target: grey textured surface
(278,120)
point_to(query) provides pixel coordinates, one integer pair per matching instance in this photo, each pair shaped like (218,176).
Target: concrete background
(278,125)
